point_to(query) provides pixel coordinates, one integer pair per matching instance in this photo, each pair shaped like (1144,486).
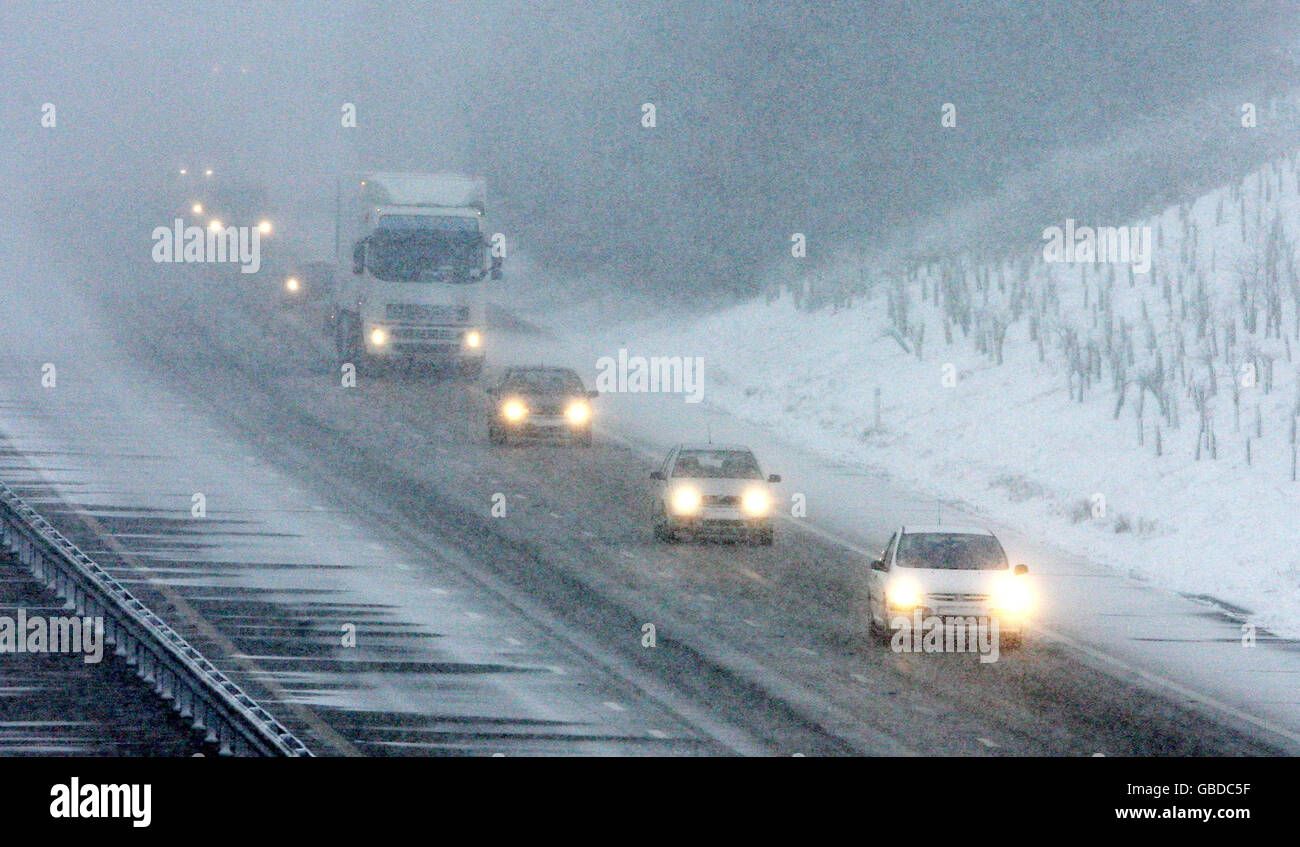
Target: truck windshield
(951,551)
(422,256)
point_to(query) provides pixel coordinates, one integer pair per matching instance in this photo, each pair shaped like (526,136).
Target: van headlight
(578,412)
(686,501)
(1013,596)
(904,592)
(514,410)
(755,502)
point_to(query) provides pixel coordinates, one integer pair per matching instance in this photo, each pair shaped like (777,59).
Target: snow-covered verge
(1143,420)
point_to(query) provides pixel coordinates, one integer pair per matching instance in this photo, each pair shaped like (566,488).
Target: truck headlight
(514,410)
(473,339)
(578,412)
(904,592)
(755,502)
(1012,595)
(686,501)
(379,336)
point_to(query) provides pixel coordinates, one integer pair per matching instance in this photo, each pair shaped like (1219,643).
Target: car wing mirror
(659,475)
(1021,570)
(776,477)
(878,565)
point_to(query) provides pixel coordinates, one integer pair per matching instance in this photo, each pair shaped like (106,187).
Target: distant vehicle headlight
(514,410)
(1013,596)
(904,592)
(379,336)
(756,502)
(473,339)
(578,412)
(686,501)
(292,284)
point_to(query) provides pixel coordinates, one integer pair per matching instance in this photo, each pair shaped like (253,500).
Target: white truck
(412,288)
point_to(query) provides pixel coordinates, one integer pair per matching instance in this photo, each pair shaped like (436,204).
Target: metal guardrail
(178,673)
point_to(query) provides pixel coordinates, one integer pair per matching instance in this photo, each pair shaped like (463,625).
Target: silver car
(712,490)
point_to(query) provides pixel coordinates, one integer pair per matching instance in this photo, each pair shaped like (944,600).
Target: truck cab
(412,288)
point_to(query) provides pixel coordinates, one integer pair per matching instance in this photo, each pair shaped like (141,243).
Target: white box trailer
(417,256)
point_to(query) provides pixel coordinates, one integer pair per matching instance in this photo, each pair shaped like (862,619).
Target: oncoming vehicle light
(379,336)
(686,501)
(1012,595)
(473,339)
(904,592)
(578,412)
(514,410)
(755,502)
(291,284)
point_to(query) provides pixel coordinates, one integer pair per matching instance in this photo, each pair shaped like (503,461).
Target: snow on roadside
(1009,439)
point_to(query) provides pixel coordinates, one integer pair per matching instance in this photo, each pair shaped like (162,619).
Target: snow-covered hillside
(1145,419)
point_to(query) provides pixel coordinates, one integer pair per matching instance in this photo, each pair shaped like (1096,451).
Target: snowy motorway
(346,569)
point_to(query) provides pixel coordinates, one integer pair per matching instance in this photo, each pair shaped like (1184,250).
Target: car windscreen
(717,464)
(950,551)
(543,382)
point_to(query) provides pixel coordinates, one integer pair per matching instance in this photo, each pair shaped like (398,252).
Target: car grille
(416,333)
(418,313)
(958,598)
(720,500)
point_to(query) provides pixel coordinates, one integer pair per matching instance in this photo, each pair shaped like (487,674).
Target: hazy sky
(773,117)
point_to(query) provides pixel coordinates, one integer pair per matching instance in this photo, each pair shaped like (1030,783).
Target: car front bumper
(544,427)
(719,522)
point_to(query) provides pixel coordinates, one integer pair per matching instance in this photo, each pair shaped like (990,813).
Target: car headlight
(686,501)
(514,410)
(578,412)
(755,502)
(904,592)
(473,339)
(1013,596)
(379,336)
